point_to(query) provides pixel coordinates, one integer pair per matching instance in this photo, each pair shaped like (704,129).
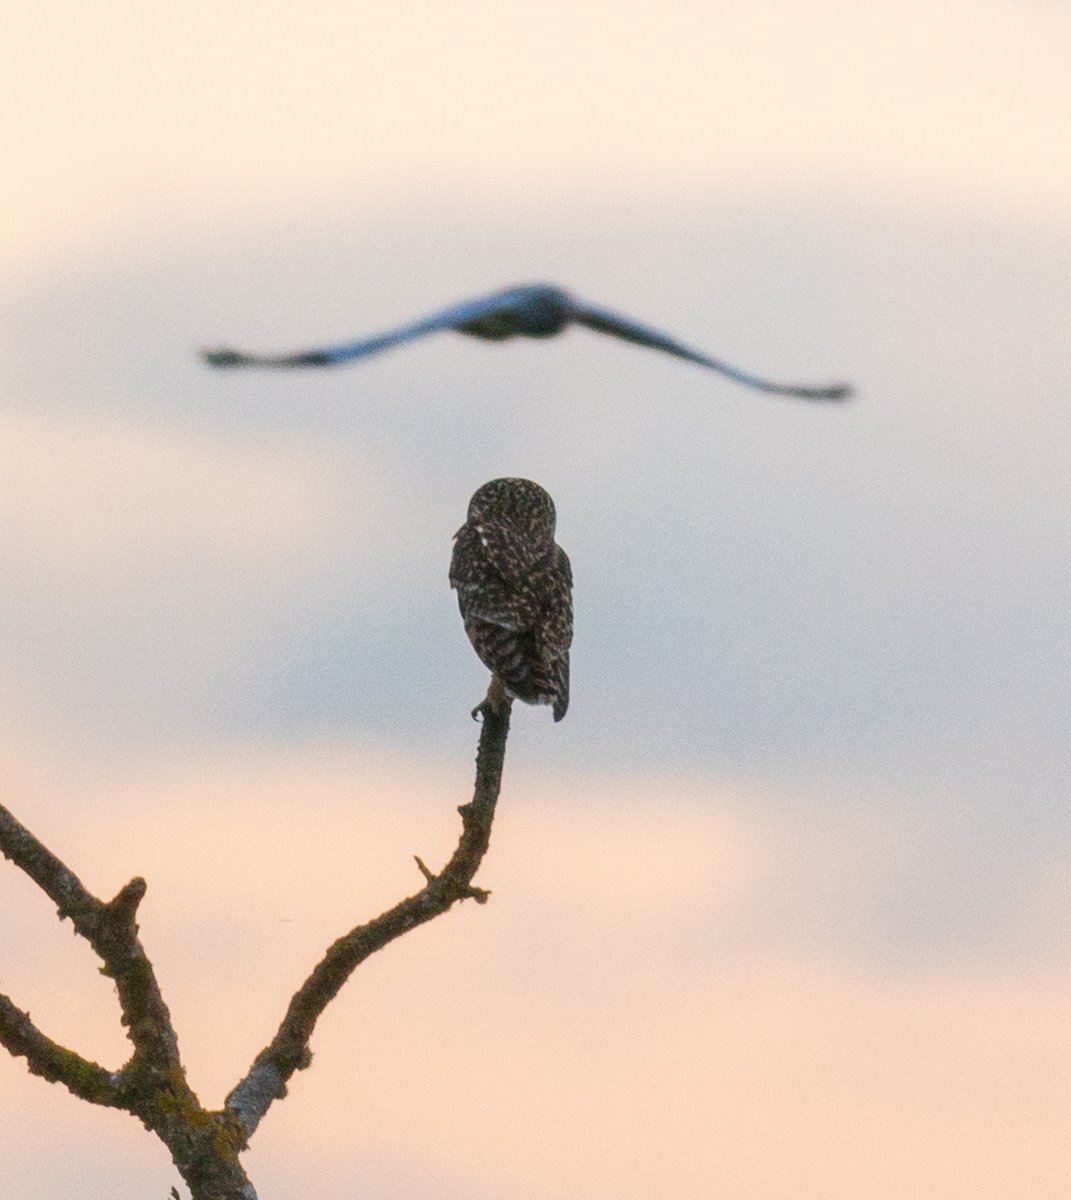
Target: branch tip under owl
(514,590)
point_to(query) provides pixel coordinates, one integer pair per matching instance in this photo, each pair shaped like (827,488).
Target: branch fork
(151,1085)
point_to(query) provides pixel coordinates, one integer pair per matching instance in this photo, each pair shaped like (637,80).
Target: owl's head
(518,500)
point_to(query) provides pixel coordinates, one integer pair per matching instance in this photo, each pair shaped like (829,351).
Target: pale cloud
(87,502)
(959,102)
(144,561)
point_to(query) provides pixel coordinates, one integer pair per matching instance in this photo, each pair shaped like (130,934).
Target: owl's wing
(482,594)
(452,317)
(612,323)
(553,631)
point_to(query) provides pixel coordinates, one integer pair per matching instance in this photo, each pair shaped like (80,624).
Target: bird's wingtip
(222,357)
(840,391)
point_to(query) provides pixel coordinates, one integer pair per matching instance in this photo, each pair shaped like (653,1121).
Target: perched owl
(536,310)
(514,589)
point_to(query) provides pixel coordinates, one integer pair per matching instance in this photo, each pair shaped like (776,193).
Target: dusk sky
(782,908)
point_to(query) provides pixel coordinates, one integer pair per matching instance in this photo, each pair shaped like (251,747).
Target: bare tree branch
(289,1050)
(152,1085)
(86,1080)
(111,929)
(59,883)
(205,1145)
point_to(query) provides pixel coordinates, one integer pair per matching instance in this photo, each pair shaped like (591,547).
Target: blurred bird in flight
(536,310)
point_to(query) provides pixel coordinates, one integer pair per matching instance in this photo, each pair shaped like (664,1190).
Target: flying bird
(514,589)
(535,310)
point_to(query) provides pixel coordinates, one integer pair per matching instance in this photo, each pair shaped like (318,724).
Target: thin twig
(111,929)
(84,1079)
(289,1050)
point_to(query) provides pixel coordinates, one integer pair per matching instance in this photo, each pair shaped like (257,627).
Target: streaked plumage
(514,589)
(536,310)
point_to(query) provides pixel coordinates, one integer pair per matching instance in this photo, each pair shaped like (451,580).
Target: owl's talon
(497,702)
(491,705)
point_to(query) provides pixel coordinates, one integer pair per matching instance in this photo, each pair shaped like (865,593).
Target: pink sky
(572,1035)
(677,988)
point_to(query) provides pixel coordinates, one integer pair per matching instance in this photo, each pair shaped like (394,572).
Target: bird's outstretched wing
(533,310)
(453,317)
(631,331)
